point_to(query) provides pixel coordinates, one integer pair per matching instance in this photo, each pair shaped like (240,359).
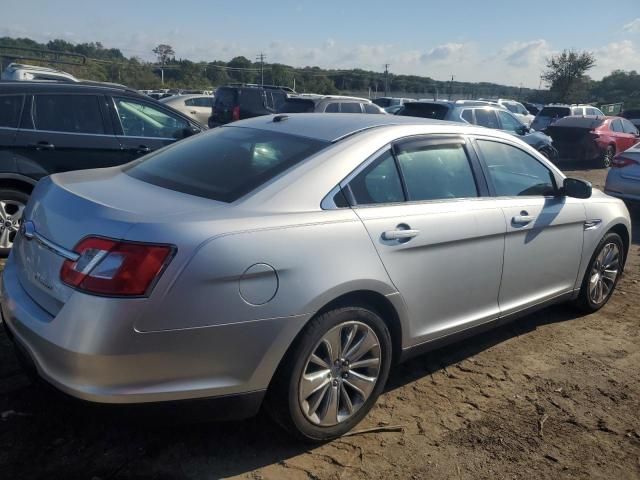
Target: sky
(474,40)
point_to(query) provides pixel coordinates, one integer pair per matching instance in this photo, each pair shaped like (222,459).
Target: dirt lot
(552,395)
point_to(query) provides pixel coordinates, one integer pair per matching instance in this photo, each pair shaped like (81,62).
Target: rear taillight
(621,162)
(235,114)
(116,268)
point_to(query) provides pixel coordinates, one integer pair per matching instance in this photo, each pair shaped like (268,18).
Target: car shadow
(52,435)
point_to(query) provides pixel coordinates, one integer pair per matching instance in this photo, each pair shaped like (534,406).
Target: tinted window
(297,105)
(487,118)
(467,115)
(225,96)
(509,122)
(629,127)
(591,111)
(198,102)
(332,108)
(512,107)
(224,163)
(437,172)
(68,113)
(139,119)
(616,126)
(555,112)
(252,98)
(350,107)
(379,182)
(424,110)
(514,172)
(370,108)
(10,108)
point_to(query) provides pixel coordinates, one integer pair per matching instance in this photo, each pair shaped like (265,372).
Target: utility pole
(261,59)
(386,78)
(451,87)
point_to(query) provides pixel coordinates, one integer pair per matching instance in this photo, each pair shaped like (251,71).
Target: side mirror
(186,132)
(576,188)
(523,130)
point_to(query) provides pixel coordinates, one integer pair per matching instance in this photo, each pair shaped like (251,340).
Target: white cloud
(633,26)
(621,55)
(443,53)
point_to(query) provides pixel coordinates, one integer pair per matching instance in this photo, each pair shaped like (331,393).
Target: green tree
(566,75)
(241,70)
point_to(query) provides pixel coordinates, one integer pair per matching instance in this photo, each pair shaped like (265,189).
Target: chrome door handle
(399,234)
(522,219)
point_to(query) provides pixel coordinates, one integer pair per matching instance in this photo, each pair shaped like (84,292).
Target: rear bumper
(75,353)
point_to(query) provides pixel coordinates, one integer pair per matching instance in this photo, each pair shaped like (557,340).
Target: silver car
(623,179)
(197,107)
(292,259)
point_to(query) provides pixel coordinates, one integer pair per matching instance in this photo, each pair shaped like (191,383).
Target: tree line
(566,75)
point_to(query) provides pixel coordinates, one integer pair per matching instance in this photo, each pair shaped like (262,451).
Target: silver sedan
(623,179)
(291,259)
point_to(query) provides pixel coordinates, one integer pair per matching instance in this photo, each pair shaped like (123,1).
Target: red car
(592,139)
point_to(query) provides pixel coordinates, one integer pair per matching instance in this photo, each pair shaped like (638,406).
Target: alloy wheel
(604,272)
(608,157)
(10,219)
(340,374)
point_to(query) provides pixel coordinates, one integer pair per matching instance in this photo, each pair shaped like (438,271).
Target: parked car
(517,109)
(533,108)
(595,140)
(298,262)
(237,102)
(623,179)
(197,106)
(393,109)
(554,112)
(479,113)
(17,71)
(50,127)
(328,104)
(633,116)
(385,102)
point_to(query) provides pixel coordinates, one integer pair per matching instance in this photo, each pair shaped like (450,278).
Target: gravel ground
(552,395)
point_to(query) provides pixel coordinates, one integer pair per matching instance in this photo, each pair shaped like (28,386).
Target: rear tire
(602,274)
(317,397)
(607,156)
(12,204)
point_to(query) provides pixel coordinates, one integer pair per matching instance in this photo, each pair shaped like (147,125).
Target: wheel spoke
(313,382)
(3,210)
(368,362)
(360,383)
(346,399)
(5,242)
(17,216)
(610,275)
(333,342)
(315,359)
(330,416)
(320,396)
(363,345)
(351,335)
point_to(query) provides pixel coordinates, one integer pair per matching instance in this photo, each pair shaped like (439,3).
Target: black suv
(237,102)
(50,127)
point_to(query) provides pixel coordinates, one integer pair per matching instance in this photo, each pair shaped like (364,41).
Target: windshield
(225,163)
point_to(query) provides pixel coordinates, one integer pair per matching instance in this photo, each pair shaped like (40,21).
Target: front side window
(378,183)
(140,119)
(629,127)
(467,115)
(371,108)
(616,126)
(436,172)
(224,163)
(514,172)
(10,108)
(486,117)
(509,122)
(68,113)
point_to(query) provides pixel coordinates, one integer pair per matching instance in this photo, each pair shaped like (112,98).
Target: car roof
(329,127)
(22,86)
(186,96)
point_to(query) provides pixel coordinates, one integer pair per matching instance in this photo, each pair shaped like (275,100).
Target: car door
(439,239)
(543,241)
(66,131)
(142,127)
(10,113)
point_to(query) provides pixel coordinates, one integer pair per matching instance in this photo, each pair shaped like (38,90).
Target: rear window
(10,107)
(225,163)
(579,122)
(297,105)
(225,96)
(424,110)
(557,112)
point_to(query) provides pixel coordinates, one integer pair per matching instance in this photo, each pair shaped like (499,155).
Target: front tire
(602,274)
(332,375)
(607,156)
(12,204)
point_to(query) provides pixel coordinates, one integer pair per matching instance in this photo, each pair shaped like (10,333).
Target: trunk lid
(67,207)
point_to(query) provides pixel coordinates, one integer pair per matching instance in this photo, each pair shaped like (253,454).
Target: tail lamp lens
(235,113)
(116,268)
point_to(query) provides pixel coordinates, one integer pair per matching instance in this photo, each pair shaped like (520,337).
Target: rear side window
(332,108)
(467,115)
(379,182)
(350,107)
(252,98)
(68,113)
(424,110)
(487,118)
(10,108)
(225,163)
(437,172)
(514,172)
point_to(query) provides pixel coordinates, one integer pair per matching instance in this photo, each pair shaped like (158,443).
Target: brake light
(235,114)
(621,162)
(117,268)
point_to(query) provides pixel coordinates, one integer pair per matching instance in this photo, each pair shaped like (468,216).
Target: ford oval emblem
(28,229)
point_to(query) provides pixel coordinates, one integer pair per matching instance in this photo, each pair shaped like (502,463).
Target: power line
(261,58)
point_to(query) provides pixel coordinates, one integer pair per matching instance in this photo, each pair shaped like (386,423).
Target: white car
(518,110)
(197,107)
